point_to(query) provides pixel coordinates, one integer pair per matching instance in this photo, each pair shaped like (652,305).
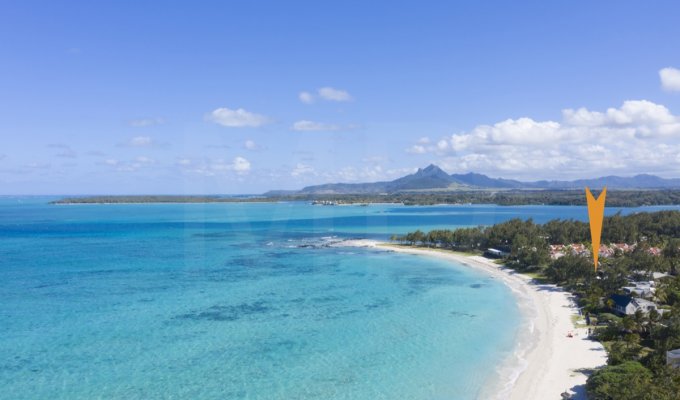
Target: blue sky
(243,97)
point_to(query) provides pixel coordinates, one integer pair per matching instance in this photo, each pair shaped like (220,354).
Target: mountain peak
(431,167)
(431,170)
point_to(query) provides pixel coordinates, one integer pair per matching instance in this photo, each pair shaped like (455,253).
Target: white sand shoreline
(546,362)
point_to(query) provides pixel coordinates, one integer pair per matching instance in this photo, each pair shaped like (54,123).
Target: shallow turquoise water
(243,301)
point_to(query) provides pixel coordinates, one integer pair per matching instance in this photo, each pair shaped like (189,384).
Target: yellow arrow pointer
(596,215)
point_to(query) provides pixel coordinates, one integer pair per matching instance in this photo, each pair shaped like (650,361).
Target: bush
(627,381)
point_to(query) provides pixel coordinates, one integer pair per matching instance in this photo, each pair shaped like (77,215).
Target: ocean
(245,301)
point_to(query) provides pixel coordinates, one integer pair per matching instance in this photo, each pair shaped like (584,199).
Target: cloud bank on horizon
(639,136)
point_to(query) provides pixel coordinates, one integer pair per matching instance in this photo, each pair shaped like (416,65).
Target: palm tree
(672,254)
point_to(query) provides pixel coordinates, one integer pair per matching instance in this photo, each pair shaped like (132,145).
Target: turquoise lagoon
(245,301)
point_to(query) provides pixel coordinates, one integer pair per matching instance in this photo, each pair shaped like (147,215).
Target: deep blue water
(239,301)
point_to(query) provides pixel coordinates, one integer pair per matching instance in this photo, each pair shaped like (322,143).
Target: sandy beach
(547,362)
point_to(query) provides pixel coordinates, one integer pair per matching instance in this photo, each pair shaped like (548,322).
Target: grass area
(537,276)
(578,321)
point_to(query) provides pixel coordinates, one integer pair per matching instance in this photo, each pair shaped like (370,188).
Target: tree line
(615,198)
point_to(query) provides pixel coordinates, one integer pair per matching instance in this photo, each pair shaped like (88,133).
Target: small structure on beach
(495,253)
(627,305)
(673,358)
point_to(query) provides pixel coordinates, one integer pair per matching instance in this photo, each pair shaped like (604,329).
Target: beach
(547,362)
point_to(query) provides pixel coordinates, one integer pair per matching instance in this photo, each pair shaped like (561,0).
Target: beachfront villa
(644,290)
(627,305)
(673,358)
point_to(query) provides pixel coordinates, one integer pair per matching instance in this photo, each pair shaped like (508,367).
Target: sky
(237,97)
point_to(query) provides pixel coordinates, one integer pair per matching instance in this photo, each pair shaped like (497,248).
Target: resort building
(627,305)
(606,250)
(640,289)
(673,358)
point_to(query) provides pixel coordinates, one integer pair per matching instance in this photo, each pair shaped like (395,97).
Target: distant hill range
(433,178)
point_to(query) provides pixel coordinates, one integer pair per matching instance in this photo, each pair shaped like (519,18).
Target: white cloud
(310,126)
(240,165)
(238,118)
(134,165)
(325,93)
(331,94)
(144,160)
(139,123)
(251,145)
(140,141)
(583,117)
(306,97)
(302,169)
(425,145)
(670,79)
(416,149)
(640,136)
(220,167)
(369,173)
(143,141)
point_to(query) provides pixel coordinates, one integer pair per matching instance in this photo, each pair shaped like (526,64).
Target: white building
(626,305)
(640,289)
(673,358)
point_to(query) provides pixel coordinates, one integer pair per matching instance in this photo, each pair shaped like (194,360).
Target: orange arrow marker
(596,215)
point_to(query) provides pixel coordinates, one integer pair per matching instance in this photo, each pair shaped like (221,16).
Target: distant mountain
(480,180)
(642,181)
(429,178)
(433,178)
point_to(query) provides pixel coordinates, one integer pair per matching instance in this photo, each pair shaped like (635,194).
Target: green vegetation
(636,344)
(627,381)
(615,198)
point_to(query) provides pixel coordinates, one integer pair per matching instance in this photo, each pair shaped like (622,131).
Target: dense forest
(615,198)
(636,344)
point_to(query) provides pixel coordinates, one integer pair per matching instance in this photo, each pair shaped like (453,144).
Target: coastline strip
(546,361)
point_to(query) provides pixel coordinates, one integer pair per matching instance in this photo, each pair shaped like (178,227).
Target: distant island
(432,185)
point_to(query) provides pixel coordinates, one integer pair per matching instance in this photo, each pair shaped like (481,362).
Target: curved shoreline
(545,362)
